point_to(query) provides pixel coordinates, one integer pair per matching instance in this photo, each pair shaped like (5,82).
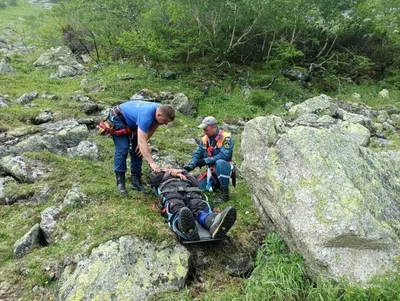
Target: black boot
(219,224)
(224,195)
(121,182)
(187,224)
(136,183)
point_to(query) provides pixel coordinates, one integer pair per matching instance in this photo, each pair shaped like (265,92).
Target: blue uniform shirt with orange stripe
(220,154)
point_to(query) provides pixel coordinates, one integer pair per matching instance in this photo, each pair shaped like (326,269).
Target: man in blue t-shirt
(140,119)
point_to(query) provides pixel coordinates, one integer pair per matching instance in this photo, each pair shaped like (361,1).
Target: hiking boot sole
(225,224)
(187,224)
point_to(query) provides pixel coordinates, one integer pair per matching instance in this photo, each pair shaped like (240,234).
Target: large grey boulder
(26,243)
(125,269)
(3,183)
(332,200)
(55,137)
(49,218)
(62,58)
(55,57)
(24,169)
(321,105)
(182,104)
(355,132)
(6,68)
(85,149)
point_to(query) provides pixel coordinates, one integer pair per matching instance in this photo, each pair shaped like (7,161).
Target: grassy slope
(108,214)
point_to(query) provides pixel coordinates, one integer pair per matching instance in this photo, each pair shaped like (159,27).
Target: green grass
(279,275)
(369,93)
(107,214)
(11,16)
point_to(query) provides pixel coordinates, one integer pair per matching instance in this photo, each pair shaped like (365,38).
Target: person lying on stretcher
(186,208)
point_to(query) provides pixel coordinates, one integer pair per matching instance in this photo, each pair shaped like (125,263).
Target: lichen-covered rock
(182,104)
(85,149)
(321,105)
(125,269)
(74,197)
(24,245)
(24,169)
(332,200)
(69,71)
(45,116)
(355,132)
(49,220)
(6,68)
(359,119)
(27,97)
(55,57)
(3,183)
(55,137)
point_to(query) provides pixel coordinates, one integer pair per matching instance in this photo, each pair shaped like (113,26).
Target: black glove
(188,167)
(201,163)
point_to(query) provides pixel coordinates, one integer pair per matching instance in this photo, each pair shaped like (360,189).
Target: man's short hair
(168,112)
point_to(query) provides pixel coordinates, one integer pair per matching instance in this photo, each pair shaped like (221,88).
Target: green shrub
(261,98)
(291,90)
(3,4)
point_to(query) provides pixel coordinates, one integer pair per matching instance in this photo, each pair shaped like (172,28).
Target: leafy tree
(3,4)
(345,38)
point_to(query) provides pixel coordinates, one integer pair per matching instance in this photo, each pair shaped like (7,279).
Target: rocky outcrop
(26,243)
(27,97)
(54,57)
(48,222)
(182,104)
(331,198)
(23,169)
(179,101)
(127,268)
(54,137)
(5,67)
(64,60)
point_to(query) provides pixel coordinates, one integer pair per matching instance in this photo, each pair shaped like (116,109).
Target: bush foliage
(345,39)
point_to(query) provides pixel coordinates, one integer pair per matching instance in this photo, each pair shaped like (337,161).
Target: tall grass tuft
(280,275)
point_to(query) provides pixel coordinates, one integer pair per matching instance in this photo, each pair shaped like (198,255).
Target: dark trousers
(124,145)
(196,204)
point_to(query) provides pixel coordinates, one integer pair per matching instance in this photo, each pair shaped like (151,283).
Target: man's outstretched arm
(145,149)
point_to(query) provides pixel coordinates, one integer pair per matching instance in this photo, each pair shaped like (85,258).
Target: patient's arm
(176,173)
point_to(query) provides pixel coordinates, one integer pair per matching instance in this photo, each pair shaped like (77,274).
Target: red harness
(211,148)
(111,131)
(125,131)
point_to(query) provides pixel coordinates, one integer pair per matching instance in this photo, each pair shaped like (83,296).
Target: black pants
(195,203)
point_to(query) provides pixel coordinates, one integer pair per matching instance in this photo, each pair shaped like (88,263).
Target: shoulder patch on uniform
(227,144)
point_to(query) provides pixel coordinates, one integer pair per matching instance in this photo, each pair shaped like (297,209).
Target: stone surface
(127,268)
(331,199)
